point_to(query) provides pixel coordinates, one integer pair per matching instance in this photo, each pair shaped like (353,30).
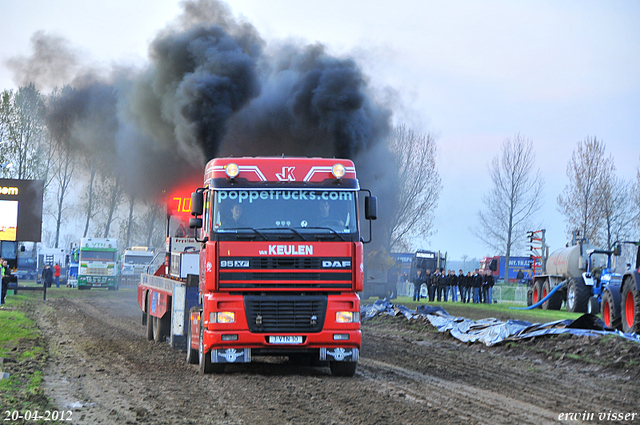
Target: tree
(516,193)
(582,199)
(60,125)
(89,206)
(111,194)
(22,126)
(617,211)
(419,186)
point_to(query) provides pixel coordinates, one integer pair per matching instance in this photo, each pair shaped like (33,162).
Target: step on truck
(273,269)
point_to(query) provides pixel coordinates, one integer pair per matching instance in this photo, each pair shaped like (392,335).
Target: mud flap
(231,355)
(339,354)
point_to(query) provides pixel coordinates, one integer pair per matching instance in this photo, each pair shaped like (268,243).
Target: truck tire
(204,359)
(161,328)
(630,307)
(608,310)
(553,303)
(578,296)
(192,355)
(149,321)
(343,368)
(529,297)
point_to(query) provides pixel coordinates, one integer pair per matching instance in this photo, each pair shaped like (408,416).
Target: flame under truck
(274,266)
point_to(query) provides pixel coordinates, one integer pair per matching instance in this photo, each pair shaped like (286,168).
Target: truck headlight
(222,317)
(347,317)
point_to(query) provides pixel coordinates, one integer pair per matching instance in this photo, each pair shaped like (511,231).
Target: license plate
(285,340)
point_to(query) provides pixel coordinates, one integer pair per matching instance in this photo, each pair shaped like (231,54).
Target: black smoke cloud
(213,87)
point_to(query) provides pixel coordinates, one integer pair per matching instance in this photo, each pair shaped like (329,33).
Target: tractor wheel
(593,306)
(343,368)
(578,296)
(608,310)
(192,355)
(149,321)
(630,307)
(553,303)
(529,297)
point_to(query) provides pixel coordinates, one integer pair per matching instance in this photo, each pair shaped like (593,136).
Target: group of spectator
(476,287)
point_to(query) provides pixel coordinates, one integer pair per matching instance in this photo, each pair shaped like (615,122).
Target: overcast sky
(471,73)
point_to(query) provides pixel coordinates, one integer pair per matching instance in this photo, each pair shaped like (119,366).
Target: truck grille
(285,313)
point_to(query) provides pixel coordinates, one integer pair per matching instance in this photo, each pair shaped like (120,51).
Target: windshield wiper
(326,228)
(235,230)
(286,228)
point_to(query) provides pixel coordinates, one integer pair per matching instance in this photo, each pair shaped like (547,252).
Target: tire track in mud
(470,402)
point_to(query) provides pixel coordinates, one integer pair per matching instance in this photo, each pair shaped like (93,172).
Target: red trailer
(280,264)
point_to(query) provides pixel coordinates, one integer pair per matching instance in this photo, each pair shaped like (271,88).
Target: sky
(469,73)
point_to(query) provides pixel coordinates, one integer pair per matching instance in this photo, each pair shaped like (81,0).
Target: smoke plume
(213,87)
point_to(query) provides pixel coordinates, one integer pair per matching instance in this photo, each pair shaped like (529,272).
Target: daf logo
(337,264)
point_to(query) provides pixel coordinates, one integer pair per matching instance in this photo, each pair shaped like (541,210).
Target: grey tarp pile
(493,331)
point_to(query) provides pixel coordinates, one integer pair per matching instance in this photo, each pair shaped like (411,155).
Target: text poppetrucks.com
(603,416)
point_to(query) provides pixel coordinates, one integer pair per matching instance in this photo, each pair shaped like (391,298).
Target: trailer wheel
(537,291)
(343,368)
(609,311)
(630,307)
(192,355)
(553,303)
(149,321)
(204,359)
(578,296)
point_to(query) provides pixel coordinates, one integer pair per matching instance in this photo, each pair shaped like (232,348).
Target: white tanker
(578,268)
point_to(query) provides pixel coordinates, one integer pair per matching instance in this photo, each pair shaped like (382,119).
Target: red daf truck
(279,265)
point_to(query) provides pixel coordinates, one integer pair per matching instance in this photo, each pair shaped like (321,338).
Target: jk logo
(287,174)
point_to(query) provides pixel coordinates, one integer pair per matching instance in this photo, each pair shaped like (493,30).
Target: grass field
(503,311)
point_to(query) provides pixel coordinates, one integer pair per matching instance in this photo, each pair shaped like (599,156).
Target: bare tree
(23,131)
(63,161)
(581,202)
(89,205)
(516,193)
(111,194)
(419,187)
(617,211)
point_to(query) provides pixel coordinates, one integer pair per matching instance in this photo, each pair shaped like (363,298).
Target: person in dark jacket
(442,283)
(47,276)
(431,282)
(462,285)
(488,287)
(477,284)
(453,286)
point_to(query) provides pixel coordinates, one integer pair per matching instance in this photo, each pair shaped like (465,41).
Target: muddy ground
(101,368)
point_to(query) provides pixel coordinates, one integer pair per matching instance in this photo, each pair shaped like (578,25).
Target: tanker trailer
(578,269)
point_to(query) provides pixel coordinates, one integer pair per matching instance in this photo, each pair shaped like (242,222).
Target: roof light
(338,171)
(232,170)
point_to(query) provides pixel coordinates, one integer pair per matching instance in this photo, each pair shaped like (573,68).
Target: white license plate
(285,340)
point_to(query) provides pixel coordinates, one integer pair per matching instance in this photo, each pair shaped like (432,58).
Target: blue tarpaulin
(493,331)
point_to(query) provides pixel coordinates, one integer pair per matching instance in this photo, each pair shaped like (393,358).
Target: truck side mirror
(493,265)
(617,250)
(195,223)
(196,204)
(370,207)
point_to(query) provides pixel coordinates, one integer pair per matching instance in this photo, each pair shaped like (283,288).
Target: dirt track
(105,371)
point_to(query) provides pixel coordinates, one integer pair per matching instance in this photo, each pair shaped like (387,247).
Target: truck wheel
(204,359)
(529,297)
(630,307)
(578,296)
(343,368)
(553,303)
(149,321)
(161,328)
(192,355)
(609,311)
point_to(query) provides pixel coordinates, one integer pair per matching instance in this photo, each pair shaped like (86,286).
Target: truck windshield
(306,211)
(98,255)
(137,259)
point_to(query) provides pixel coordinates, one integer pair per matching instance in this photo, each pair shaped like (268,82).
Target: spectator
(4,283)
(418,280)
(47,276)
(476,284)
(462,286)
(431,289)
(520,277)
(453,286)
(488,287)
(56,275)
